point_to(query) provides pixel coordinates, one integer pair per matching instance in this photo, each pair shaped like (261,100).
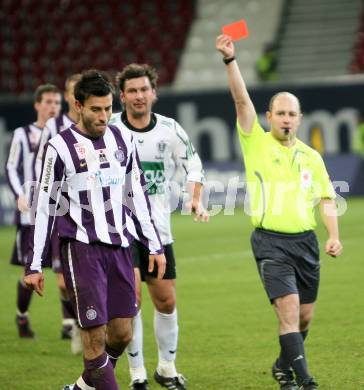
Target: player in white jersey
(162,146)
(20,176)
(92,182)
(54,126)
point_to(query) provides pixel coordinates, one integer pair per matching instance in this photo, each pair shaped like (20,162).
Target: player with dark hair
(70,329)
(20,177)
(162,146)
(91,180)
(285,179)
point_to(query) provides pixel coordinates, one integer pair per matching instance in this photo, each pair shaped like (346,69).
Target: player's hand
(201,214)
(225,46)
(333,247)
(160,260)
(35,282)
(22,203)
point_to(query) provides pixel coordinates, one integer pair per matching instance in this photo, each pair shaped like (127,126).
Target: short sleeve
(253,140)
(325,189)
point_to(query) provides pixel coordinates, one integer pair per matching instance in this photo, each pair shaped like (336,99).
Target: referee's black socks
(294,352)
(282,362)
(304,334)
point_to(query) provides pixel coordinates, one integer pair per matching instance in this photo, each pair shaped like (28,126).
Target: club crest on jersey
(91,314)
(80,150)
(33,139)
(102,156)
(161,146)
(119,155)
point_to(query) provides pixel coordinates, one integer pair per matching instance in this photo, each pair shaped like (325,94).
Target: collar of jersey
(77,130)
(149,127)
(285,149)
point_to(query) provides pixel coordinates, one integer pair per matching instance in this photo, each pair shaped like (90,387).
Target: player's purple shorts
(100,281)
(22,246)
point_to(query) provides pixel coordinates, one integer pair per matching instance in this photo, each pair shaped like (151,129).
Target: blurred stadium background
(313,48)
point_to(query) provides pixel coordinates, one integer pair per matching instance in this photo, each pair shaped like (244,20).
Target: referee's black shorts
(288,263)
(140,256)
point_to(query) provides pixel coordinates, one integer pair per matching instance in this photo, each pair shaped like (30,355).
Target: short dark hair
(133,71)
(93,83)
(45,88)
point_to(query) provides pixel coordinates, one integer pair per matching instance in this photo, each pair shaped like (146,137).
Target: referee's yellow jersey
(284,183)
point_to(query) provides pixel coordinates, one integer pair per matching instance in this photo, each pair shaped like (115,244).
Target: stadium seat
(50,42)
(211,15)
(357,64)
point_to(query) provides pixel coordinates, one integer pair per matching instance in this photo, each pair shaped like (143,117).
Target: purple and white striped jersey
(52,127)
(20,165)
(95,188)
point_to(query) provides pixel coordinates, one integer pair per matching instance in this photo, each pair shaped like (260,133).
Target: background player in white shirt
(20,177)
(162,146)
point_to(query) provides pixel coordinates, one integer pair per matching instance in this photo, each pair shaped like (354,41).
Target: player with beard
(92,182)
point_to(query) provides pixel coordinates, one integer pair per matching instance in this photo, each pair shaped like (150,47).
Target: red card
(237,30)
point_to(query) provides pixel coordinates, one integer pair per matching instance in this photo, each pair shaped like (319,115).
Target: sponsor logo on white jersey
(80,150)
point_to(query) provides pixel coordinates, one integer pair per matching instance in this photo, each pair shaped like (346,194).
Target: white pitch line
(214,256)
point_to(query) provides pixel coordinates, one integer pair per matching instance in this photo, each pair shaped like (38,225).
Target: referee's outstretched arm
(245,110)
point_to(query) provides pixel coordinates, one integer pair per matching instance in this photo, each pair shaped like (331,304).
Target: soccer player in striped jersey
(162,145)
(20,177)
(92,182)
(53,126)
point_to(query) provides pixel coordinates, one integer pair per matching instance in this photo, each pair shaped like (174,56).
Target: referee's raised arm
(245,110)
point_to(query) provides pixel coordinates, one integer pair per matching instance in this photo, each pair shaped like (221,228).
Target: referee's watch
(227,60)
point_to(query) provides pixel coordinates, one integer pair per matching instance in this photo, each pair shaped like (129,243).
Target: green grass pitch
(228,332)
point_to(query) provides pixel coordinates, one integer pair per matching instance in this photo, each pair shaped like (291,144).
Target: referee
(286,179)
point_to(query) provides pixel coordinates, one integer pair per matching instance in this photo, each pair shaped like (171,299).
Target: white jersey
(52,127)
(20,165)
(163,147)
(95,188)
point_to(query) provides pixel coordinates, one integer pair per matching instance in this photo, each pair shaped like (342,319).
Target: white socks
(135,350)
(82,385)
(166,334)
(138,373)
(68,321)
(25,314)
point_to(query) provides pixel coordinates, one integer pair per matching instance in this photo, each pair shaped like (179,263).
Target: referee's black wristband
(228,60)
